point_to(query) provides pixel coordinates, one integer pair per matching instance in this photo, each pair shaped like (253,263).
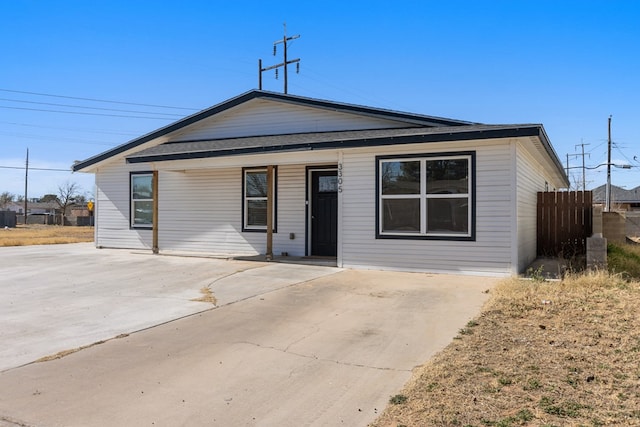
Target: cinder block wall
(597,219)
(614,227)
(633,223)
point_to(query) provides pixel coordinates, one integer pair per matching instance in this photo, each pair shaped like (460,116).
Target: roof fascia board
(553,156)
(351,143)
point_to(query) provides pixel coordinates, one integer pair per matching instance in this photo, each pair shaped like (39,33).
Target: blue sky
(565,64)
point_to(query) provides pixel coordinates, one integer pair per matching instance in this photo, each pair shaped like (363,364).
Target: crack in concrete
(317,329)
(314,357)
(6,421)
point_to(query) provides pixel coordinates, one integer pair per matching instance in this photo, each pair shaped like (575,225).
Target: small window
(425,196)
(328,184)
(255,199)
(142,200)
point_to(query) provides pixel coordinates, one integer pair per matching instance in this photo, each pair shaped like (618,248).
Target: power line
(37,169)
(70,129)
(83,113)
(89,108)
(623,155)
(97,100)
(51,139)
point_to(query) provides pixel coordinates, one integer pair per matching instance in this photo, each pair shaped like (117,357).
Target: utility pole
(574,167)
(26,182)
(283,64)
(607,207)
(584,179)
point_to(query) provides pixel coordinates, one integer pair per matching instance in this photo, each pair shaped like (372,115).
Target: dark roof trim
(553,155)
(534,130)
(163,131)
(378,112)
(299,100)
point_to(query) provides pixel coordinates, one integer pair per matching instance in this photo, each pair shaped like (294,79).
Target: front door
(324,212)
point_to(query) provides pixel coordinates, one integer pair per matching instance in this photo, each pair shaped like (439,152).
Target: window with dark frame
(142,200)
(425,196)
(255,199)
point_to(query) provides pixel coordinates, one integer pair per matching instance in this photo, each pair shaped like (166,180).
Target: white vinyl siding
(489,254)
(112,212)
(208,217)
(200,208)
(265,117)
(530,179)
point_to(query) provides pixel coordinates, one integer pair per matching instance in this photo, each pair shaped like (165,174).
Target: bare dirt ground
(24,235)
(541,353)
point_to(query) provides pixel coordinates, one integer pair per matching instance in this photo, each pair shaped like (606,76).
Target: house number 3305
(339,177)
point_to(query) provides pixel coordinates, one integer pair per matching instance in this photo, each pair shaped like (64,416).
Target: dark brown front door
(324,213)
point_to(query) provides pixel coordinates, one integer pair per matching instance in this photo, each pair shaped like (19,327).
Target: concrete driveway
(287,345)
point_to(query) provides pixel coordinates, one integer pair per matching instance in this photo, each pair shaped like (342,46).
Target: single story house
(374,188)
(34,208)
(621,199)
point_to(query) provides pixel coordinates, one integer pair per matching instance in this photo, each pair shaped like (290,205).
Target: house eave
(455,134)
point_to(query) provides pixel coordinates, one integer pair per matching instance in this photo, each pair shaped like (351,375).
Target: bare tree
(67,194)
(5,199)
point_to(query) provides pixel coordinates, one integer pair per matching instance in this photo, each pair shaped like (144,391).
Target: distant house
(369,187)
(621,199)
(43,208)
(17,207)
(34,208)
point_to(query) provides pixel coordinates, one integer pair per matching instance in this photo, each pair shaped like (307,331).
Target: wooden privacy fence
(565,220)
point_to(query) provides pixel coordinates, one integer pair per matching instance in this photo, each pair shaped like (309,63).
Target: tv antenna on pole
(284,41)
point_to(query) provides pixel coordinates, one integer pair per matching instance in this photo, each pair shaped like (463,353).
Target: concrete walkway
(288,345)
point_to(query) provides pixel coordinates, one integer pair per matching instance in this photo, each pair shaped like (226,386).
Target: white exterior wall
(201,211)
(531,179)
(489,254)
(112,208)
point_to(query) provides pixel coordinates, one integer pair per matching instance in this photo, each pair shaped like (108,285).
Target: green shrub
(624,259)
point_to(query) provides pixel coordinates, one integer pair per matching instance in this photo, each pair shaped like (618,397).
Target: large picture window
(142,200)
(426,196)
(255,199)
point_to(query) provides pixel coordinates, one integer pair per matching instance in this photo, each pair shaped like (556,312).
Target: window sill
(451,237)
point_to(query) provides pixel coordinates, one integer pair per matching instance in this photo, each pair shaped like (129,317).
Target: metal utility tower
(284,63)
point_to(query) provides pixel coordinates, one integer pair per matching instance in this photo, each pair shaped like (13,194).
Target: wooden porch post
(154,185)
(269,253)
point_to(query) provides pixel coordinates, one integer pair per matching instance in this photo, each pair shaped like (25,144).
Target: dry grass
(207,296)
(65,353)
(44,235)
(540,354)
